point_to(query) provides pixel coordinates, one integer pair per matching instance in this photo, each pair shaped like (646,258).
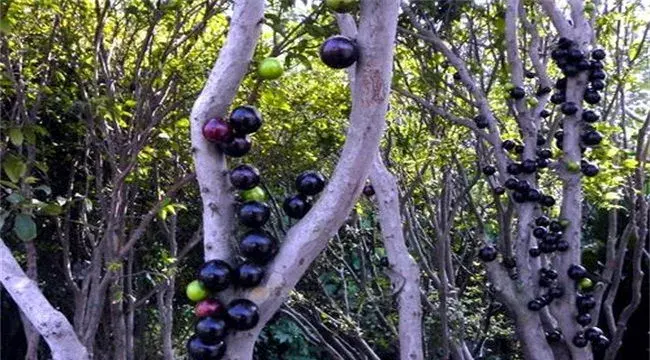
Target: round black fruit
(539,232)
(242,314)
(583,65)
(310,183)
(560,83)
(559,135)
(570,70)
(254,214)
(596,65)
(545,282)
(249,274)
(598,54)
(544,113)
(543,163)
(510,263)
(258,246)
(593,333)
(489,170)
(534,252)
(499,190)
(530,74)
(528,166)
(555,226)
(547,248)
(513,169)
(368,190)
(597,74)
(238,147)
(601,343)
(517,93)
(575,54)
(339,52)
(579,340)
(583,319)
(584,303)
(199,350)
(563,245)
(547,201)
(597,85)
(554,336)
(542,221)
(481,121)
(523,185)
(457,76)
(244,177)
(511,183)
(591,96)
(590,170)
(543,90)
(558,98)
(519,197)
(296,206)
(508,145)
(544,153)
(590,116)
(519,149)
(215,275)
(591,138)
(211,329)
(487,253)
(245,119)
(576,272)
(541,140)
(569,108)
(535,305)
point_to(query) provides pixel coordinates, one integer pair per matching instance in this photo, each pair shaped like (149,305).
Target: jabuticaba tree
(530,81)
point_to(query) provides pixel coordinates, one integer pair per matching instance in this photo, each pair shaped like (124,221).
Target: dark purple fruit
(583,65)
(593,333)
(368,190)
(547,201)
(596,65)
(576,272)
(551,274)
(339,52)
(557,54)
(481,121)
(543,163)
(513,169)
(552,238)
(556,291)
(199,350)
(215,275)
(211,330)
(530,74)
(544,153)
(560,83)
(563,245)
(598,54)
(559,135)
(534,252)
(457,76)
(590,116)
(545,282)
(570,70)
(601,343)
(519,197)
(254,214)
(541,140)
(242,314)
(245,119)
(383,262)
(523,186)
(539,232)
(510,263)
(547,248)
(543,90)
(238,147)
(511,183)
(499,190)
(487,253)
(296,206)
(258,246)
(583,319)
(244,177)
(597,74)
(564,43)
(535,305)
(555,226)
(528,166)
(489,170)
(542,221)
(591,138)
(558,98)
(590,170)
(517,93)
(248,275)
(591,96)
(597,85)
(554,336)
(217,131)
(579,340)
(584,303)
(575,54)
(508,145)
(310,183)
(569,108)
(544,113)
(519,149)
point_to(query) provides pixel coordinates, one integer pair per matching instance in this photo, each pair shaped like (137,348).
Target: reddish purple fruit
(208,307)
(217,131)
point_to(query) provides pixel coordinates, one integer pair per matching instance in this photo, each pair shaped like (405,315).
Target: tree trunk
(31,335)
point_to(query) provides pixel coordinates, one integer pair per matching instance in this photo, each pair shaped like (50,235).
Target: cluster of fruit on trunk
(257,247)
(576,67)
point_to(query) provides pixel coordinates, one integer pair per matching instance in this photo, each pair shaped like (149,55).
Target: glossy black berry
(530,74)
(249,274)
(513,169)
(591,96)
(593,333)
(523,185)
(528,166)
(559,135)
(535,305)
(244,177)
(508,145)
(597,74)
(579,340)
(542,221)
(517,93)
(539,232)
(238,147)
(596,65)
(570,70)
(576,272)
(487,253)
(597,85)
(554,336)
(583,65)
(543,163)
(544,113)
(499,190)
(591,138)
(583,319)
(563,245)
(511,183)
(533,195)
(199,350)
(245,119)
(339,52)
(242,314)
(560,83)
(543,90)
(296,206)
(547,201)
(489,170)
(545,282)
(601,343)
(215,275)
(258,246)
(254,214)
(534,252)
(590,170)
(541,140)
(555,226)
(569,108)
(558,98)
(310,183)
(519,149)
(590,116)
(211,330)
(481,121)
(510,263)
(368,190)
(519,197)
(544,153)
(586,302)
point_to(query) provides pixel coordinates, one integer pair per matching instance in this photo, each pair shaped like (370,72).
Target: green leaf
(16,136)
(51,210)
(15,198)
(24,227)
(3,216)
(14,167)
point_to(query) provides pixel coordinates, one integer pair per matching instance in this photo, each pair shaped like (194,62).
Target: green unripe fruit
(254,194)
(270,68)
(195,291)
(585,284)
(589,7)
(341,6)
(573,167)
